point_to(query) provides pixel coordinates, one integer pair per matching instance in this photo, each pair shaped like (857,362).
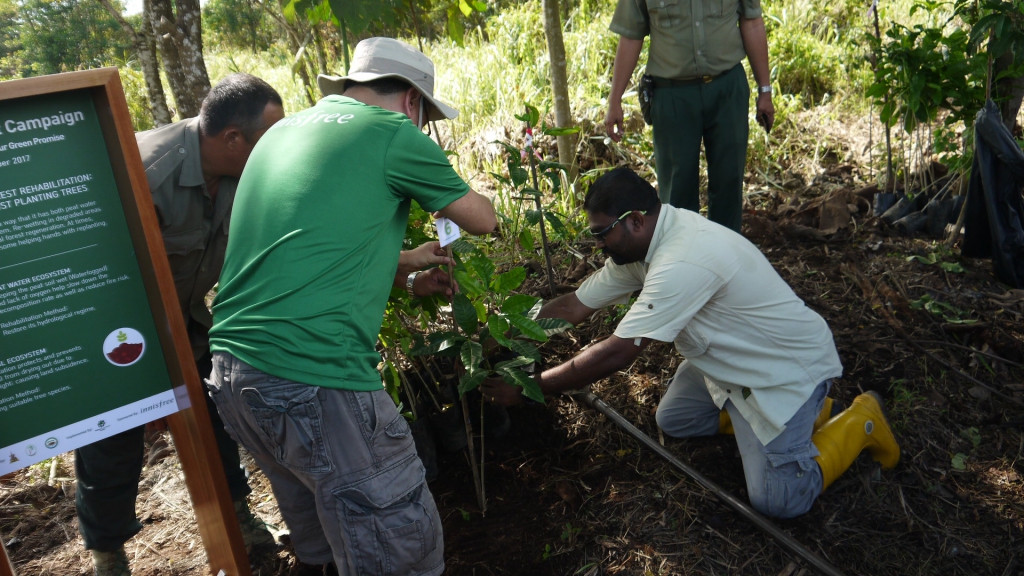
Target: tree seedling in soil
(494,335)
(524,183)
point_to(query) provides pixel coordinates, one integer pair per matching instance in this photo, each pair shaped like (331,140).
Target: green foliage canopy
(64,35)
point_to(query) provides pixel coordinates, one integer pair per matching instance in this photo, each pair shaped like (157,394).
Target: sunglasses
(600,235)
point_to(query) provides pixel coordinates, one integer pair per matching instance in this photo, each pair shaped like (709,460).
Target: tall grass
(819,60)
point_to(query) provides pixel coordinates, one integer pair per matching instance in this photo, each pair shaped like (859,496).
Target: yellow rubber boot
(826,413)
(862,426)
(725,423)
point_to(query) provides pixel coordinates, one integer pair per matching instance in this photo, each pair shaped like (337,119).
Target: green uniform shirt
(689,38)
(318,223)
(194,226)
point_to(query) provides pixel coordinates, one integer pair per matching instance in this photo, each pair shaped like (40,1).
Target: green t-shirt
(316,229)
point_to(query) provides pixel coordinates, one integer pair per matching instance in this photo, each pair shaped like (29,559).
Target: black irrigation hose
(784,540)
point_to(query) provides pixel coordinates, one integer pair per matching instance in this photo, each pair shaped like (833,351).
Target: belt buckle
(707,79)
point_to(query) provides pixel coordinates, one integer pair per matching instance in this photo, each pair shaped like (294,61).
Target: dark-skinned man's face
(616,238)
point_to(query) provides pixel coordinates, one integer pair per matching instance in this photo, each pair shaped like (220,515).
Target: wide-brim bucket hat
(376,58)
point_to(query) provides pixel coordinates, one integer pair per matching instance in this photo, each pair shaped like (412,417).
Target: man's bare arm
(626,56)
(567,307)
(755,43)
(599,361)
(473,213)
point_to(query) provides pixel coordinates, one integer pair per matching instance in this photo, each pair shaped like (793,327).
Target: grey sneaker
(255,532)
(110,563)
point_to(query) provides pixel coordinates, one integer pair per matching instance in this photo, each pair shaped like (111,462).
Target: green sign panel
(79,354)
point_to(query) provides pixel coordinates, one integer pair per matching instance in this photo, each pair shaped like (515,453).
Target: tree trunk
(560,86)
(180,37)
(145,46)
(294,43)
(1009,89)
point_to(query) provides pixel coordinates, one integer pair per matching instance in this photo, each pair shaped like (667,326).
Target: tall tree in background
(66,35)
(142,39)
(10,41)
(560,85)
(179,35)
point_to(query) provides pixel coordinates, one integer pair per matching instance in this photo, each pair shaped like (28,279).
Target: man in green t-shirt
(318,222)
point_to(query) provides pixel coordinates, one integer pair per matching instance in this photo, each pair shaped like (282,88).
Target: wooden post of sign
(5,564)
(191,428)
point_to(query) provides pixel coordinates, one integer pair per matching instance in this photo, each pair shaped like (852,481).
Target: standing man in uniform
(314,249)
(758,361)
(700,93)
(192,167)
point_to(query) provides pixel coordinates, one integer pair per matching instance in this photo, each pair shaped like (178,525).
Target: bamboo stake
(477,475)
(543,230)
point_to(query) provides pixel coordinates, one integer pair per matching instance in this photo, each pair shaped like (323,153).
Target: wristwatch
(764,89)
(409,282)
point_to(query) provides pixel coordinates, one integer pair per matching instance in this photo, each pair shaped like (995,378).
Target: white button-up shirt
(714,294)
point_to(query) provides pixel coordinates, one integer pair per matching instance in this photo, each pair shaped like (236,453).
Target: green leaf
(528,327)
(561,131)
(468,381)
(468,282)
(519,175)
(525,349)
(954,267)
(513,152)
(482,266)
(455,28)
(463,246)
(531,191)
(531,116)
(556,223)
(518,303)
(472,354)
(959,461)
(517,377)
(552,326)
(526,240)
(929,260)
(509,281)
(465,8)
(439,343)
(359,15)
(465,313)
(514,363)
(498,326)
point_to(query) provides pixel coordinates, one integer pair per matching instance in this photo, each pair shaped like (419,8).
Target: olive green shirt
(689,38)
(194,226)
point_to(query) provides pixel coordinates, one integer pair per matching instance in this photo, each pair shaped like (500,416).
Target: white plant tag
(447,231)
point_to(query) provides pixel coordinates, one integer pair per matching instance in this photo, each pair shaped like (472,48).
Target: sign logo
(124,347)
(50,443)
(102,424)
(30,450)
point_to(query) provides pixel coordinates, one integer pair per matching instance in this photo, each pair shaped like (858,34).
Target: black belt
(674,83)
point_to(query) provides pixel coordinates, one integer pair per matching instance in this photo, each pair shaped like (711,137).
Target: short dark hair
(621,191)
(238,100)
(382,86)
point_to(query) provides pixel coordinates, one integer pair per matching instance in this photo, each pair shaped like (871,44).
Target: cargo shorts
(342,465)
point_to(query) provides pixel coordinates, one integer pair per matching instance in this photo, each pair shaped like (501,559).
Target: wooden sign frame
(190,428)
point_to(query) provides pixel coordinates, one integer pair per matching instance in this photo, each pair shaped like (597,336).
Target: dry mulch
(570,493)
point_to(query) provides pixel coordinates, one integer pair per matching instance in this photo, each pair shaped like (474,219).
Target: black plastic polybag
(994,222)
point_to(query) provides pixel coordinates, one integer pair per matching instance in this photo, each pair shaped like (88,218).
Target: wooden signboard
(92,342)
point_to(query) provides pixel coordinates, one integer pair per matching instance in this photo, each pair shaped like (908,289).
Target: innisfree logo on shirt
(302,120)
